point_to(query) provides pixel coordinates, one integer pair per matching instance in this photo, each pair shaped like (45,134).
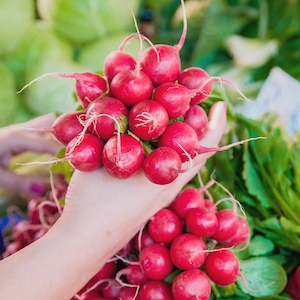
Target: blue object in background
(5,222)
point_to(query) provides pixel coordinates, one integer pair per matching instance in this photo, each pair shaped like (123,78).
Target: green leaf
(289,226)
(62,167)
(263,276)
(259,246)
(253,181)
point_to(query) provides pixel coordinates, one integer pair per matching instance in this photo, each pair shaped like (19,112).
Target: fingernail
(37,188)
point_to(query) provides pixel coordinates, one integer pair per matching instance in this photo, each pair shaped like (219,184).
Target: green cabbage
(15,17)
(46,53)
(8,99)
(85,21)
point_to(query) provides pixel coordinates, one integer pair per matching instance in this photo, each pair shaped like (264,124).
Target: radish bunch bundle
(141,113)
(181,251)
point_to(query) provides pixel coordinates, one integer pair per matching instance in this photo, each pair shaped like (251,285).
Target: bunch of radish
(141,113)
(181,251)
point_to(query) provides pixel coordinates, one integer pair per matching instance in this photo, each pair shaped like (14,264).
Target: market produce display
(208,244)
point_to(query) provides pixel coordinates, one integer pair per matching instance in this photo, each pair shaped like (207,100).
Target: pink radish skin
(111,290)
(181,137)
(202,222)
(128,293)
(195,79)
(143,239)
(67,126)
(155,261)
(222,267)
(188,251)
(88,86)
(86,155)
(131,87)
(116,62)
(165,226)
(191,284)
(155,290)
(162,165)
(242,234)
(197,118)
(174,97)
(102,125)
(148,119)
(125,161)
(162,63)
(227,225)
(187,200)
(133,273)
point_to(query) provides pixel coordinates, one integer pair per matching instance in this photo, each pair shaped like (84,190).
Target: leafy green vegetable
(8,99)
(17,16)
(263,276)
(85,21)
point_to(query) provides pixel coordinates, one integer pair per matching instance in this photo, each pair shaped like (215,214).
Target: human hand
(14,139)
(113,210)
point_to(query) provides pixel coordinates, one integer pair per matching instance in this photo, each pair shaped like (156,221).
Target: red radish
(162,165)
(103,113)
(128,293)
(131,87)
(67,126)
(92,295)
(155,290)
(155,261)
(13,247)
(88,86)
(201,222)
(174,97)
(181,137)
(34,209)
(188,251)
(242,234)
(188,199)
(24,231)
(201,83)
(196,79)
(291,288)
(227,225)
(111,290)
(148,119)
(222,267)
(162,62)
(165,226)
(143,239)
(191,284)
(118,61)
(85,155)
(123,156)
(197,118)
(133,273)
(297,277)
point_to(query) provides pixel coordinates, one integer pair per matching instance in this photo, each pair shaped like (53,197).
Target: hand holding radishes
(101,214)
(13,141)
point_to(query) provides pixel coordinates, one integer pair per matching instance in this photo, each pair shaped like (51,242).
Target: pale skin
(16,139)
(97,222)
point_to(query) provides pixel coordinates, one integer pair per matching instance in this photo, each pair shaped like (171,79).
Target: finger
(216,125)
(22,183)
(31,142)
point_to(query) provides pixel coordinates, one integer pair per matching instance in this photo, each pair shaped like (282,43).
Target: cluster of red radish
(141,114)
(179,252)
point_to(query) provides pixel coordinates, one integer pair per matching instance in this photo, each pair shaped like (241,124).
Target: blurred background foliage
(237,39)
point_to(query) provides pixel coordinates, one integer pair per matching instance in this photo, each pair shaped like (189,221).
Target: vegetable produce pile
(176,255)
